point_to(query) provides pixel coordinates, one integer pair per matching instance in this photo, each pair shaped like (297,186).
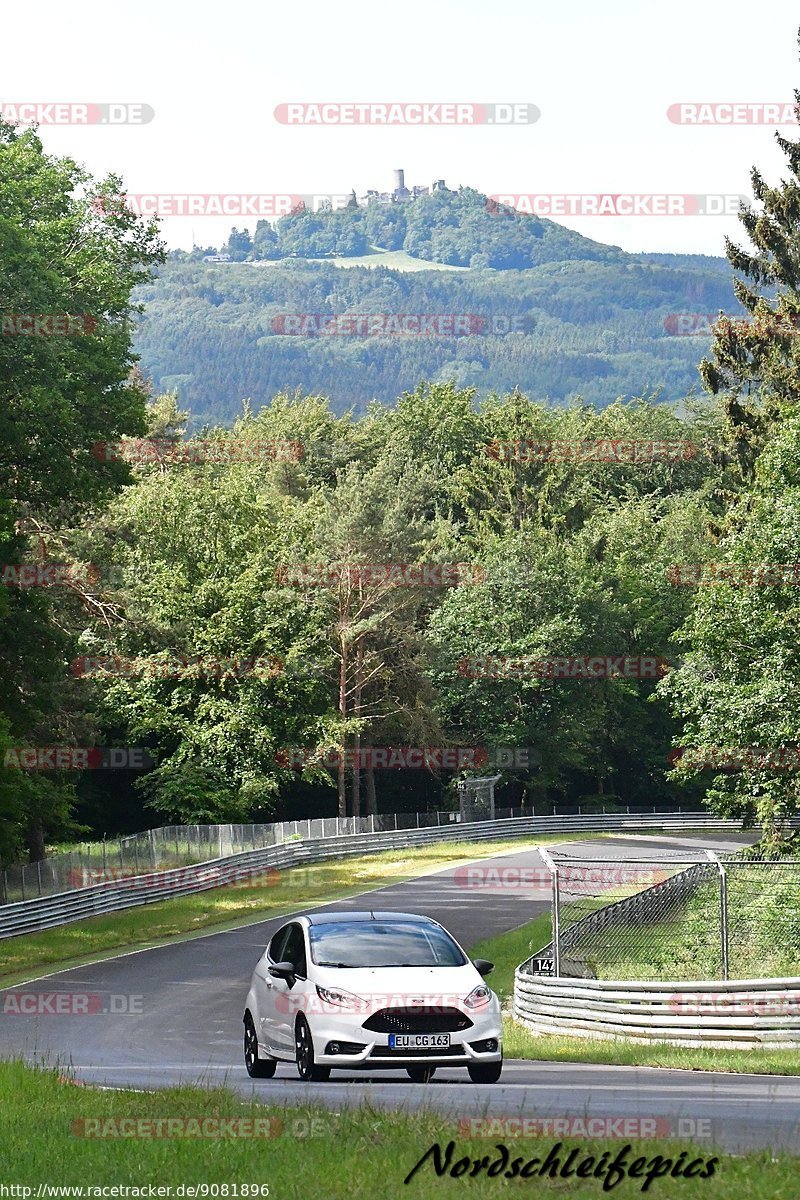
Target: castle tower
(400,180)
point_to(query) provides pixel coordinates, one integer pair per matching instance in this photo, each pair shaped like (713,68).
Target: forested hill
(586,319)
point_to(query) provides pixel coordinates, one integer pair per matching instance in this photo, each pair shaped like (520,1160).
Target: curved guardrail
(44,912)
(740,1013)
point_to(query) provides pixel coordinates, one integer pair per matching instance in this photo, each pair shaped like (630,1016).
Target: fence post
(39,874)
(723,910)
(548,862)
(152,850)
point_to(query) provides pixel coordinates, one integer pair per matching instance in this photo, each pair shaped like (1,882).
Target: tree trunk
(34,842)
(357,739)
(369,783)
(343,715)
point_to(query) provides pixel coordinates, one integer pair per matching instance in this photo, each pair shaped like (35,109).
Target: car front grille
(419,1019)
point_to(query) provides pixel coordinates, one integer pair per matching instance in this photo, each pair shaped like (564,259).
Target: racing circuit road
(189,998)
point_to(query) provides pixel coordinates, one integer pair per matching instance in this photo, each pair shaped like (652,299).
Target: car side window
(275,949)
(295,950)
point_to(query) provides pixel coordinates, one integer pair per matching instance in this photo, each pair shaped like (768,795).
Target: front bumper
(378,1055)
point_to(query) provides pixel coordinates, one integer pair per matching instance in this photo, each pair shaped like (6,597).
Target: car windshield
(383,944)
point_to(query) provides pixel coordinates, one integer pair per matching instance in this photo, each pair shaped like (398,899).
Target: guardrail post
(556,922)
(723,910)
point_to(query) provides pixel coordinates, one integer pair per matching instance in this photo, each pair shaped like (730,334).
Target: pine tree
(755,362)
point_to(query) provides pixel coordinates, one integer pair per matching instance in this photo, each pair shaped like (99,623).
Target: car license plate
(418,1041)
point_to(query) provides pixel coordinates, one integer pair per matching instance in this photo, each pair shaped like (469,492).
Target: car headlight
(478,996)
(341,999)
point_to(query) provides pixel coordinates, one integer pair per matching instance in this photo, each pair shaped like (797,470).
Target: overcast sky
(603,76)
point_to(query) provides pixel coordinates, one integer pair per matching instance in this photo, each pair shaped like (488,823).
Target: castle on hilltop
(400,192)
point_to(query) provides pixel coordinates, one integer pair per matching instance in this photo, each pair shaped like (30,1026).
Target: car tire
(421,1074)
(257,1068)
(307,1068)
(485,1072)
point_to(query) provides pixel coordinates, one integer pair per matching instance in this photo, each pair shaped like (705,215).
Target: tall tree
(755,364)
(70,256)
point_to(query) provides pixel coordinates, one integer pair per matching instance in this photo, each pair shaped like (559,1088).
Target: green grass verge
(280,892)
(355,1154)
(510,949)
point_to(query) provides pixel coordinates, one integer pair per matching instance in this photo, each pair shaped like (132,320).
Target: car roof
(325,918)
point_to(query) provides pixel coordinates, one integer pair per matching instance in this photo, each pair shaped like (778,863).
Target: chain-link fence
(183,845)
(672,917)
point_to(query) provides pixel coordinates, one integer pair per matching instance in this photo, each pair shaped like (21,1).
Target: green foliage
(582,324)
(66,250)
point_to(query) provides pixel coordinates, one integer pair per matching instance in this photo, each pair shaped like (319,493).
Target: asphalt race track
(187,1025)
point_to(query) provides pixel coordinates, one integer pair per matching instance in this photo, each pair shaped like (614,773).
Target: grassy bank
(354,1154)
(271,893)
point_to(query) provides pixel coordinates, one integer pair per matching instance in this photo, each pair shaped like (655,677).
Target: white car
(371,991)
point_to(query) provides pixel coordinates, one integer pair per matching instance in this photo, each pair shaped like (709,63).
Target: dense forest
(319,578)
(590,327)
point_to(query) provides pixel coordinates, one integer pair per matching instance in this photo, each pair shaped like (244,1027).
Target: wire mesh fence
(184,845)
(672,918)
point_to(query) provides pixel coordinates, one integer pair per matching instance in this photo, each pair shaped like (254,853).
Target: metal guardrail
(744,1012)
(149,887)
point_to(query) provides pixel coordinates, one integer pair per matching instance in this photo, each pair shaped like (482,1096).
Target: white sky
(603,75)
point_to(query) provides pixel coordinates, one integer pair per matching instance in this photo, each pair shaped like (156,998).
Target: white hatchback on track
(371,991)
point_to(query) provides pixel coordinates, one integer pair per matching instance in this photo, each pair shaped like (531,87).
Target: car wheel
(485,1072)
(257,1068)
(421,1074)
(307,1069)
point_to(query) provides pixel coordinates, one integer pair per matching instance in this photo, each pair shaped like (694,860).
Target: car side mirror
(283,970)
(483,966)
